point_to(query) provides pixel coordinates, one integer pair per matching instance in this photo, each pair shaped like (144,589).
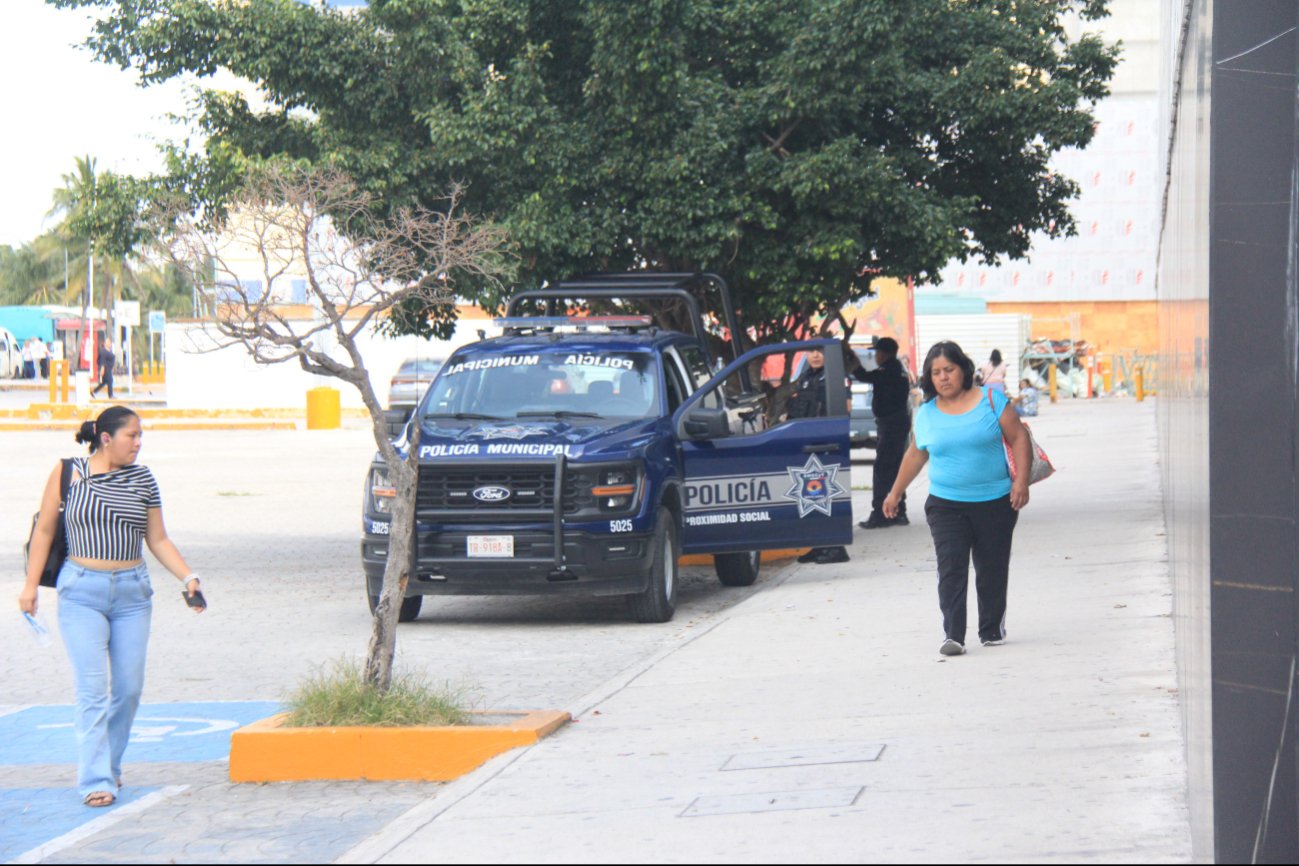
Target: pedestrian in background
(105,597)
(808,401)
(1026,402)
(993,373)
(41,357)
(890,403)
(106,360)
(29,359)
(973,506)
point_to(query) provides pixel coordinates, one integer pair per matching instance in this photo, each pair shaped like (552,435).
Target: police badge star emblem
(512,431)
(814,487)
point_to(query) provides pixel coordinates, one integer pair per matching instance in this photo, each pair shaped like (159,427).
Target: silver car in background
(408,385)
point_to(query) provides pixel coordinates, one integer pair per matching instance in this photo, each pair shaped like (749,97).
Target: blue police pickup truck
(586,454)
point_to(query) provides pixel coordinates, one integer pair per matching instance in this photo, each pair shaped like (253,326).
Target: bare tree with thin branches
(286,221)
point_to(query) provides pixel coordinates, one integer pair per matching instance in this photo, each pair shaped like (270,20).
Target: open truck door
(750,485)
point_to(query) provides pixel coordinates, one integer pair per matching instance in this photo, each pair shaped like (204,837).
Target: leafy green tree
(796,147)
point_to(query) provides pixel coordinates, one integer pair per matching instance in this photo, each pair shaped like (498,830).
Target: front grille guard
(560,570)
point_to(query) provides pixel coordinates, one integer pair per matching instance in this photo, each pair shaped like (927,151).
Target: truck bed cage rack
(644,285)
(516,325)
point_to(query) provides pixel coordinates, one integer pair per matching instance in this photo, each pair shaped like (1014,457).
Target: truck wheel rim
(669,568)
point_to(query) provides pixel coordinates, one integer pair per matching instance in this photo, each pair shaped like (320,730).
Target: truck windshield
(563,384)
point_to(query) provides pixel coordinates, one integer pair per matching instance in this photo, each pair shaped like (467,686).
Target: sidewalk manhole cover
(779,801)
(851,754)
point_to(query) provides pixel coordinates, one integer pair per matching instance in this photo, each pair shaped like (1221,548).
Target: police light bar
(577,323)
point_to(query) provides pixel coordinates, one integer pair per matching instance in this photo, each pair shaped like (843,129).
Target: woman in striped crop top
(105,598)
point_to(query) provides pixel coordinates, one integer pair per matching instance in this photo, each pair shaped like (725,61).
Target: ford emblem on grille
(491,494)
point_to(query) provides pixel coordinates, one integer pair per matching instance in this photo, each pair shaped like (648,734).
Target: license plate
(491,545)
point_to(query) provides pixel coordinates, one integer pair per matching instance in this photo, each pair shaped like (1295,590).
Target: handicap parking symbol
(182,732)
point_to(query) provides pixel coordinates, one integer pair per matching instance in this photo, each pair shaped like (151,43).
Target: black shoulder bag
(59,547)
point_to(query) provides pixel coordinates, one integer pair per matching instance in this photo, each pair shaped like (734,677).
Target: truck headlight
(381,492)
(616,488)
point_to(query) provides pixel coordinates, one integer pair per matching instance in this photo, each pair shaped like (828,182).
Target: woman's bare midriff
(105,564)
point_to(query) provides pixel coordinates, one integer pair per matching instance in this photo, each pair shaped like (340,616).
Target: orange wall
(1108,326)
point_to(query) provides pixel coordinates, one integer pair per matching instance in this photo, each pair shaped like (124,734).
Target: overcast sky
(61,104)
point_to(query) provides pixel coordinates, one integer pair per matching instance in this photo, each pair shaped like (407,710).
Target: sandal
(99,799)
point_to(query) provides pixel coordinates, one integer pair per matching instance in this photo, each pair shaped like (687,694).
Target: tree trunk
(399,571)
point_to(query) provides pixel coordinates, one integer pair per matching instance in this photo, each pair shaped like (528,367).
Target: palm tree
(75,202)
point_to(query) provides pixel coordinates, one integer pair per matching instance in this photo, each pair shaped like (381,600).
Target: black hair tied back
(109,421)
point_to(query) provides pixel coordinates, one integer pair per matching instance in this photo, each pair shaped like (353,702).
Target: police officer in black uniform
(808,401)
(890,400)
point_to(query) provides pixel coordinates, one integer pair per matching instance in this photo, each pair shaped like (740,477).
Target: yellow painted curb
(767,556)
(199,424)
(265,751)
(69,411)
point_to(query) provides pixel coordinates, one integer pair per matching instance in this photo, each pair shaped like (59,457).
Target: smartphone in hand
(196,600)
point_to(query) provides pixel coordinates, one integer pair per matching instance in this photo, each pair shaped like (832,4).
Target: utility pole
(85,311)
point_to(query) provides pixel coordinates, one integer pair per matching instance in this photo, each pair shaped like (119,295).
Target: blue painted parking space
(31,817)
(198,731)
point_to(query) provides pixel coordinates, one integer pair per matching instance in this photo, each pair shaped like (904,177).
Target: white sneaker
(998,642)
(951,648)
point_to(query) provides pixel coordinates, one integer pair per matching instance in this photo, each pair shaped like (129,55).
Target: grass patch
(337,695)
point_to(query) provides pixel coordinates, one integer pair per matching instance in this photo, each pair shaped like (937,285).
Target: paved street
(271,521)
(809,718)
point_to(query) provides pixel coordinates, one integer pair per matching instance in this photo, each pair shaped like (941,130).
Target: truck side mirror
(705,423)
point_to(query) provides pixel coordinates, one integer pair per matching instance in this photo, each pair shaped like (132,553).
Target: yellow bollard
(1139,382)
(64,387)
(324,411)
(54,379)
(1107,380)
(1051,386)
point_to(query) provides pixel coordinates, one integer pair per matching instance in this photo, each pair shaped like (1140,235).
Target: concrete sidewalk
(815,721)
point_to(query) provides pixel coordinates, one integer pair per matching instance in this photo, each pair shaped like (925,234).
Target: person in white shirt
(29,360)
(40,358)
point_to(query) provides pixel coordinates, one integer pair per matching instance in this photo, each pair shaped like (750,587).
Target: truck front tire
(659,601)
(409,607)
(738,569)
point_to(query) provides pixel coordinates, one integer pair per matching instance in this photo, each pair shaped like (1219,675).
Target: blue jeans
(104,617)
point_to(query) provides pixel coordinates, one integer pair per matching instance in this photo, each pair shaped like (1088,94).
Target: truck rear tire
(738,569)
(409,607)
(659,601)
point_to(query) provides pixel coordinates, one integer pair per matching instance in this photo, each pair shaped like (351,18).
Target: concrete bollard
(1052,389)
(55,366)
(324,410)
(83,388)
(1139,382)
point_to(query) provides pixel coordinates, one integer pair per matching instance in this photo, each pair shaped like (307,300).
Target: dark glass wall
(1184,404)
(1231,371)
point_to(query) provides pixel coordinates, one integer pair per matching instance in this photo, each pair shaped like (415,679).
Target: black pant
(983,531)
(894,435)
(106,378)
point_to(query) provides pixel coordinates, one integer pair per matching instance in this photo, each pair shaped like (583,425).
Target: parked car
(863,431)
(407,387)
(11,355)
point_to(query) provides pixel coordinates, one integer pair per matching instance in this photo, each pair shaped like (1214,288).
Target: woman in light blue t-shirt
(973,505)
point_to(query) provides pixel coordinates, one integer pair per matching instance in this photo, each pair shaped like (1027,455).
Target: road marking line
(90,828)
